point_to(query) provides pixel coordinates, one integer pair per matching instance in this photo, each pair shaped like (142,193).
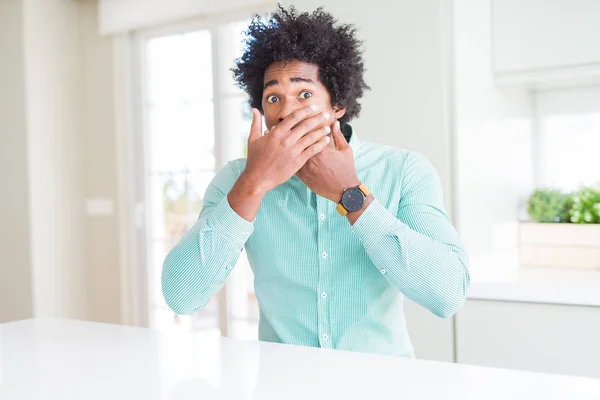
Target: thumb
(338,137)
(256,128)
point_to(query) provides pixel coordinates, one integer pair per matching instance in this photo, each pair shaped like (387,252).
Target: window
(193,120)
(180,158)
(541,139)
(568,123)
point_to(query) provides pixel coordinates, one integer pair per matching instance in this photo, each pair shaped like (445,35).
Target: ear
(339,111)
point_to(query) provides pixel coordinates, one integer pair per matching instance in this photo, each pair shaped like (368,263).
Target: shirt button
(324,255)
(383,271)
(228,267)
(325,337)
(322,216)
(323,295)
(246,234)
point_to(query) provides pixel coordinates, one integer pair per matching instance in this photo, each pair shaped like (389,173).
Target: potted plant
(564,230)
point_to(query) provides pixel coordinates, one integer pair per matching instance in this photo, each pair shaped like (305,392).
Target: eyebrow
(292,79)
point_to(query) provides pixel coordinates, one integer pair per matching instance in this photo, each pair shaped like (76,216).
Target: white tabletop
(59,359)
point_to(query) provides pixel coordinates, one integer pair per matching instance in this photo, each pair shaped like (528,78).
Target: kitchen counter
(501,278)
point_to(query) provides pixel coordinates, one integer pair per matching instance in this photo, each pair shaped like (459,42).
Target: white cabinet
(546,40)
(536,337)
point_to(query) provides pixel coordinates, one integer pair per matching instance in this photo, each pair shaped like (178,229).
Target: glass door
(179,136)
(192,121)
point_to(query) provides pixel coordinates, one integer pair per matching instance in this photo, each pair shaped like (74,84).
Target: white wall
(15,262)
(493,132)
(55,158)
(545,34)
(408,101)
(102,247)
(406,107)
(57,148)
(121,16)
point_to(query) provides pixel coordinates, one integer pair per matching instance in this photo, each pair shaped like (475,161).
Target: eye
(272,99)
(305,94)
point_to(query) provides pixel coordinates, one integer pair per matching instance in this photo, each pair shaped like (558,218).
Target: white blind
(119,16)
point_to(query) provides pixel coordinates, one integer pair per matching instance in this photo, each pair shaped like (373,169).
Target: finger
(321,120)
(314,149)
(296,117)
(338,137)
(312,137)
(332,141)
(256,128)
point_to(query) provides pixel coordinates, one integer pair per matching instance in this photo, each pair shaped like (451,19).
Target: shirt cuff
(374,222)
(229,224)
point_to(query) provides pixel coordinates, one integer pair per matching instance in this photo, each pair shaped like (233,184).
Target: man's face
(291,85)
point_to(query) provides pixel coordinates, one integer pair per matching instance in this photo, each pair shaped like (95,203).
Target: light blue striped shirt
(320,281)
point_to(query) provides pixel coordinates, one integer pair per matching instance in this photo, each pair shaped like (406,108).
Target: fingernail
(327,129)
(327,139)
(313,107)
(326,114)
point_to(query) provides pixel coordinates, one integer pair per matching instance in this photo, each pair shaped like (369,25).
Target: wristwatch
(352,200)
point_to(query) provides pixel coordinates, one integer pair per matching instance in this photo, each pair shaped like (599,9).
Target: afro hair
(313,38)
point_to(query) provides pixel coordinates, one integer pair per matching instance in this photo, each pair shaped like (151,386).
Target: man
(337,230)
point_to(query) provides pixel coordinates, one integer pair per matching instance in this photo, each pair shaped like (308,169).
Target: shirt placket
(323,288)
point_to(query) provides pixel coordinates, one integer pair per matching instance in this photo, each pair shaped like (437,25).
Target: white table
(60,359)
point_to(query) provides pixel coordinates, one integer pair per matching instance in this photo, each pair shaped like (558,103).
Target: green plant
(547,205)
(586,206)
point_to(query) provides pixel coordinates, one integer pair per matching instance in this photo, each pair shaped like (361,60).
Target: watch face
(353,199)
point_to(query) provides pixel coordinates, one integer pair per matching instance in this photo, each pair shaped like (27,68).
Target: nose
(287,106)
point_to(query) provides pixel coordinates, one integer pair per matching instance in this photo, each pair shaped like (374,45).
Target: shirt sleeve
(197,267)
(418,250)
